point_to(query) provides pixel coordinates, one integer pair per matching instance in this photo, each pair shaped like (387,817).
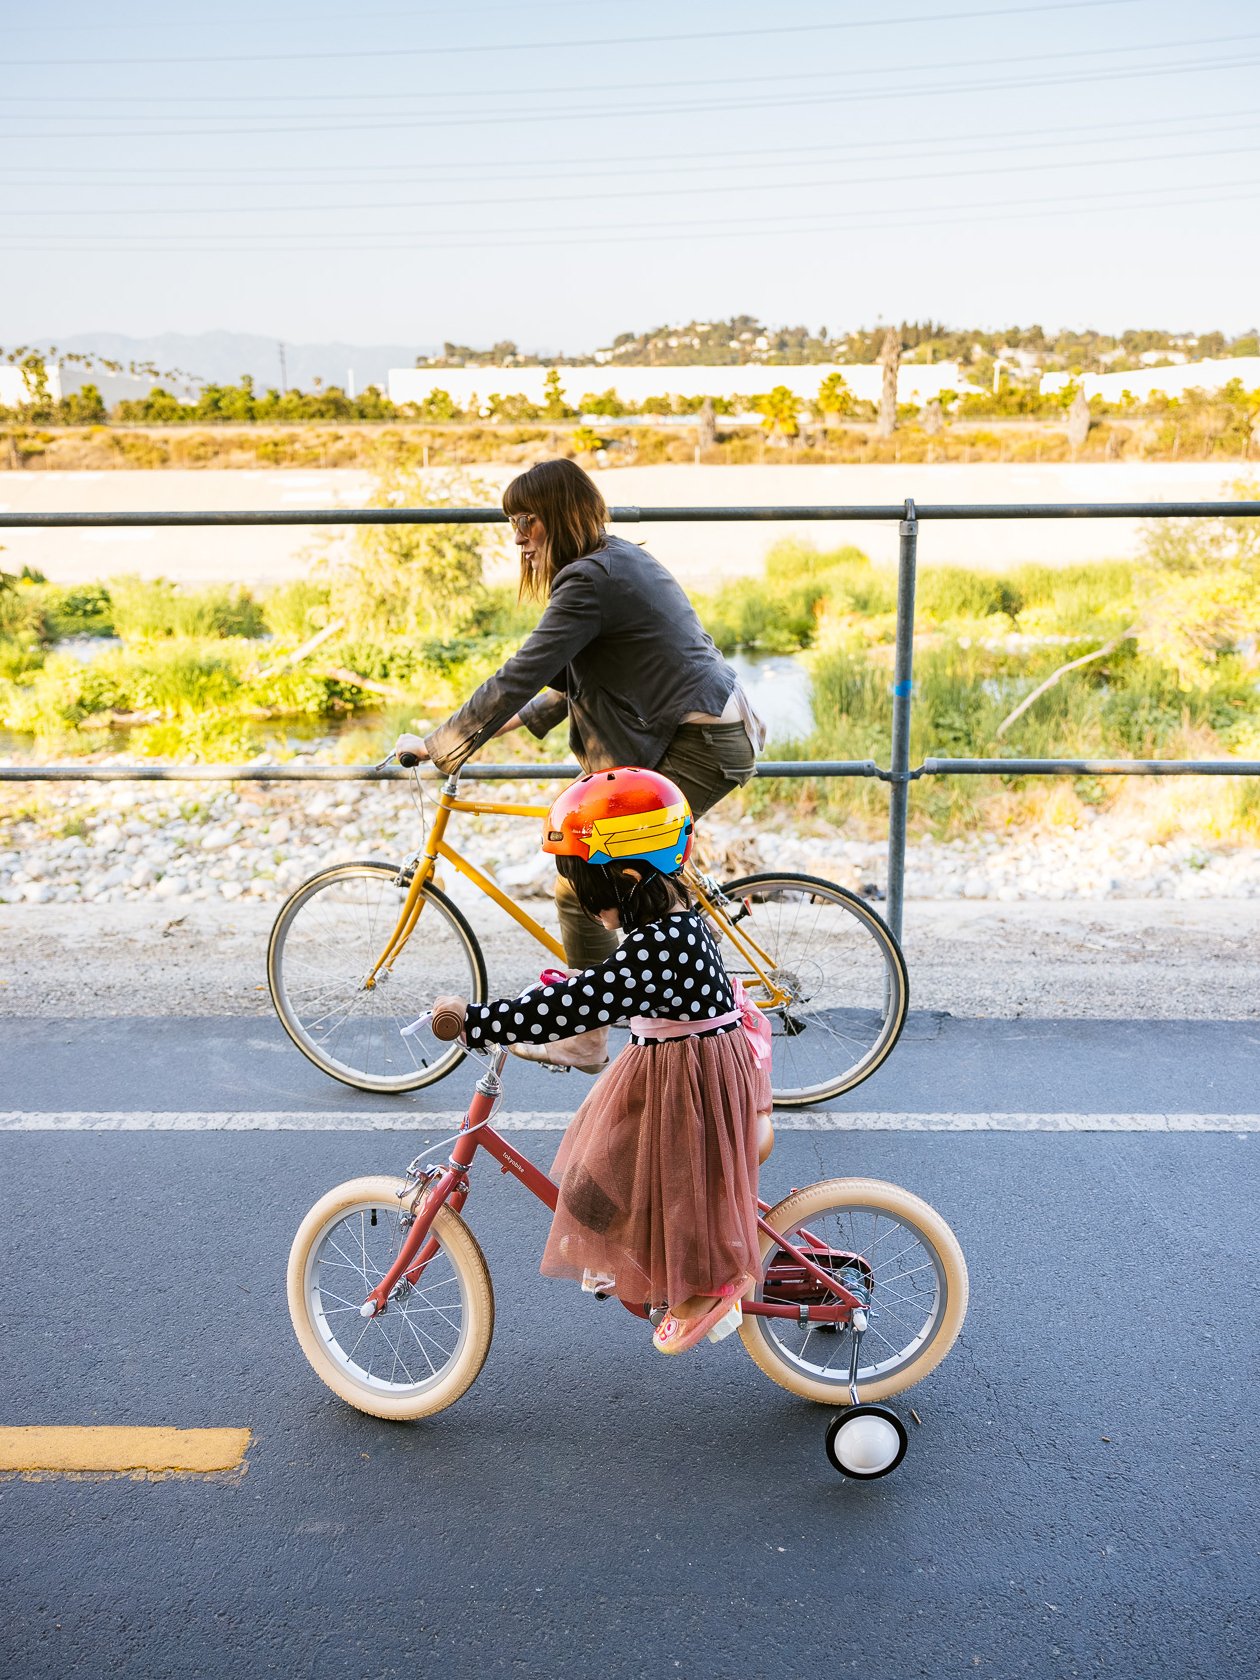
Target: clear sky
(557,172)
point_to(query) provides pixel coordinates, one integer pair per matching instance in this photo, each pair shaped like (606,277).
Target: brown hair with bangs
(573,514)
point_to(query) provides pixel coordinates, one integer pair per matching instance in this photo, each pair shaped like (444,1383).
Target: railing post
(903,668)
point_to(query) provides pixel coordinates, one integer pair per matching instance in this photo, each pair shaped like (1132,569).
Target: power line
(573,114)
(219,23)
(654,193)
(676,162)
(794,76)
(584,233)
(924,218)
(1003,13)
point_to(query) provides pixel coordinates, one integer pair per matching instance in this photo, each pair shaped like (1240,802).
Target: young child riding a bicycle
(658,1170)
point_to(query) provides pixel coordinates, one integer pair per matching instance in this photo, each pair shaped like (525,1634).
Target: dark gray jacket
(619,649)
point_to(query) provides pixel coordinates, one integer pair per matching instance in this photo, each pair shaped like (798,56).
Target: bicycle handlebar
(446,1024)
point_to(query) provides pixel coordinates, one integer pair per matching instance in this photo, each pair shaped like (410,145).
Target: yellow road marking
(108,1447)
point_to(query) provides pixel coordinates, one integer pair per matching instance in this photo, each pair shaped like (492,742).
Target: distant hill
(220,358)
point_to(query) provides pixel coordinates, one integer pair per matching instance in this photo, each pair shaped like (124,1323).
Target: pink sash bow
(755,1022)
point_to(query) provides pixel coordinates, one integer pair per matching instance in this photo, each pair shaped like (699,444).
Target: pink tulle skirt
(658,1171)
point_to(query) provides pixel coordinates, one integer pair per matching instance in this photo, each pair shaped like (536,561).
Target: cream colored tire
(426,1349)
(904,1341)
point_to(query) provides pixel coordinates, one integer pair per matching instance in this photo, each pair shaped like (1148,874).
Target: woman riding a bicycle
(620,652)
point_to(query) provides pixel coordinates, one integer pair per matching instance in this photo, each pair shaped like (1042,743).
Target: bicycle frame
(436,847)
(451,1187)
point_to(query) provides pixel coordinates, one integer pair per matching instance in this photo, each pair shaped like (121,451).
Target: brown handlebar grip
(447,1023)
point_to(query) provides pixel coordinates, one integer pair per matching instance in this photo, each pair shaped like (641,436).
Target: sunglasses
(521,522)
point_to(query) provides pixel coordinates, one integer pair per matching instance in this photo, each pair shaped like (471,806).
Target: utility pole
(284,378)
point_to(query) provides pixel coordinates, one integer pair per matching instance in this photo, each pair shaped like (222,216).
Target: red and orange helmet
(621,816)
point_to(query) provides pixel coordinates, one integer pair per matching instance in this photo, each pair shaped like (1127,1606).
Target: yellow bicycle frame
(436,847)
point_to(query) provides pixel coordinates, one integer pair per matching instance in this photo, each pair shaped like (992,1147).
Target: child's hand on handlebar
(410,750)
(448,1016)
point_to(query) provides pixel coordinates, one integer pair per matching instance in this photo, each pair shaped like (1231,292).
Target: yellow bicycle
(360,951)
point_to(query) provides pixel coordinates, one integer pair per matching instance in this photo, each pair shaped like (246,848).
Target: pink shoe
(678,1335)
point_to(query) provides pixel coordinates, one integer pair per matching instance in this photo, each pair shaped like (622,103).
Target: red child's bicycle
(861,1293)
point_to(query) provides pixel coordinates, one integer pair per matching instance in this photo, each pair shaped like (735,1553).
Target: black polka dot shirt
(671,970)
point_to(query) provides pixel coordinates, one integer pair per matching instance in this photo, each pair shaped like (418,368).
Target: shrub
(409,580)
(295,611)
(150,609)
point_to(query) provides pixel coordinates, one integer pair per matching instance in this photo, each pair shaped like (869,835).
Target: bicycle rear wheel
(891,1250)
(323,946)
(844,975)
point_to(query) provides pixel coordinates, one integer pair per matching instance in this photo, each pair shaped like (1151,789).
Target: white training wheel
(866,1442)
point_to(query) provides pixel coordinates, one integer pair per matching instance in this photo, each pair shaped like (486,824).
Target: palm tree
(779,408)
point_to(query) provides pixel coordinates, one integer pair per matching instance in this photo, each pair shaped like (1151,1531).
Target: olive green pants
(706,760)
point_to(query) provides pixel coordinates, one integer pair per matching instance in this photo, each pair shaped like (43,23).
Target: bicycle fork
(434,1190)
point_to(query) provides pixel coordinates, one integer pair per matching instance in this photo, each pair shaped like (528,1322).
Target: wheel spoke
(411,1344)
(844,980)
(888,1253)
(329,937)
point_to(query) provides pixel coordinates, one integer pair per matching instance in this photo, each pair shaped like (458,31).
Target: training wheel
(866,1442)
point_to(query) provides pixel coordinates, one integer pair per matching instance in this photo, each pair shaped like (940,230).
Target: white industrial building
(16,393)
(917,382)
(1172,381)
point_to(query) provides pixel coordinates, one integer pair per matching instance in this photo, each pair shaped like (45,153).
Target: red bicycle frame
(451,1187)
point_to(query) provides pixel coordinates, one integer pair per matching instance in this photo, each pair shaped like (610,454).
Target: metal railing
(899,774)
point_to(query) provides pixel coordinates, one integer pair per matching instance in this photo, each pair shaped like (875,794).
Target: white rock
(37,892)
(526,874)
(170,886)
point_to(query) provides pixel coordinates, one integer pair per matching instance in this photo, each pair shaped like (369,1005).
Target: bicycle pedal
(727,1325)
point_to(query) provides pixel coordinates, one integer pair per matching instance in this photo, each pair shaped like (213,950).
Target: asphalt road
(1078,1499)
(941,1063)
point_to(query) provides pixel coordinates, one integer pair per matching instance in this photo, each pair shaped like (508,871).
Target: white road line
(415,1120)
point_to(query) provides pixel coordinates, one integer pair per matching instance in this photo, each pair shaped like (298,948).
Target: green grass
(196,677)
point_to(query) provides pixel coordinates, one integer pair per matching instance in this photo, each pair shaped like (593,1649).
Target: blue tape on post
(901,690)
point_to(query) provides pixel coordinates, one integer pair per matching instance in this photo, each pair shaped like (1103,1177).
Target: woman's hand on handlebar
(410,750)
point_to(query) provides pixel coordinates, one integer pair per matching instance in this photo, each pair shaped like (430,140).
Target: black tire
(849,989)
(328,935)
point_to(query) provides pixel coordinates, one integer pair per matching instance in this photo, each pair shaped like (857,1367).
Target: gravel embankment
(157,900)
(197,843)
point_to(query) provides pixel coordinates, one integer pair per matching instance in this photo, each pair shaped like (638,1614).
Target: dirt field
(1125,960)
(699,554)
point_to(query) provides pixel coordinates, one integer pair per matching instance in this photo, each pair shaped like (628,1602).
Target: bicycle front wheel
(843,974)
(324,944)
(427,1347)
(891,1250)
